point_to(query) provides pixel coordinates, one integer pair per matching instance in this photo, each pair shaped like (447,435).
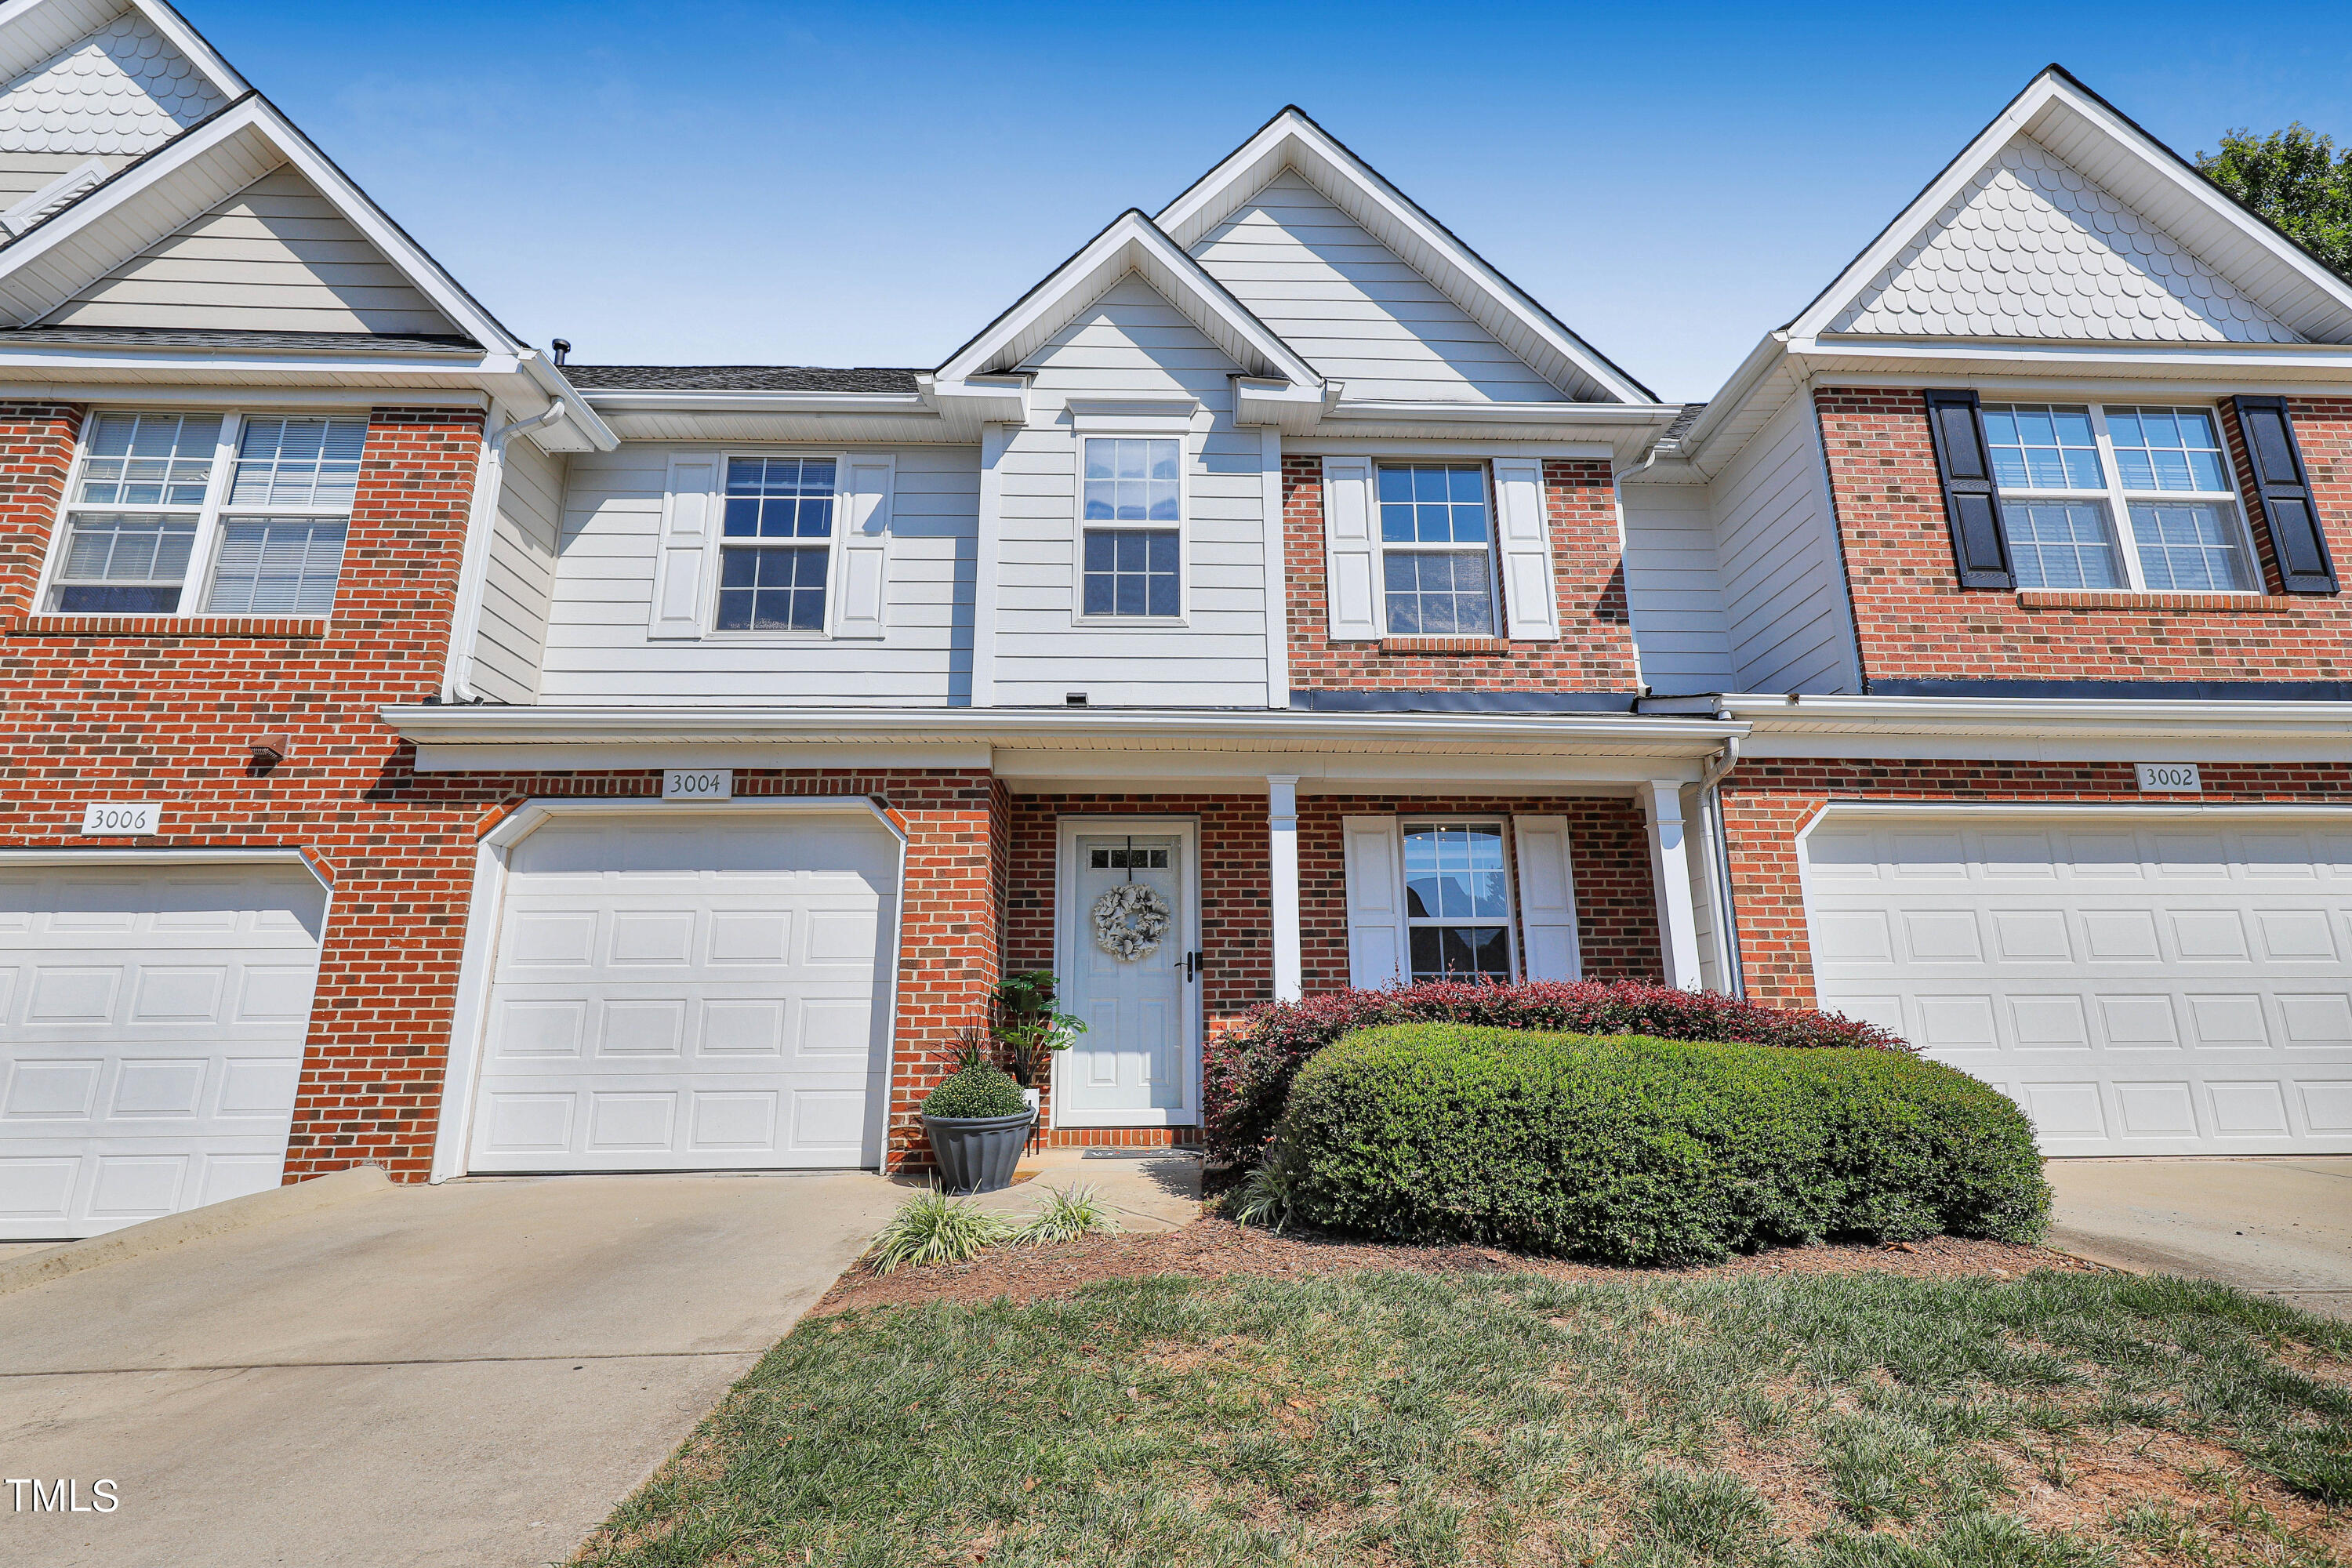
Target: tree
(2297,179)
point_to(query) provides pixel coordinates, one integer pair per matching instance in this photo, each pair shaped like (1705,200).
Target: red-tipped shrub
(1247,1074)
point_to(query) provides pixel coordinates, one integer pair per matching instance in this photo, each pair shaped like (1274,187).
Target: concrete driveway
(466,1375)
(2279,1227)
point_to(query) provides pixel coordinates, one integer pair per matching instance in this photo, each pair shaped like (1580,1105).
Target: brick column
(951,915)
(37,452)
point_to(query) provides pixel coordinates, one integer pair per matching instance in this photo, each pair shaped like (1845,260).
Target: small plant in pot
(1029,1025)
(978,1121)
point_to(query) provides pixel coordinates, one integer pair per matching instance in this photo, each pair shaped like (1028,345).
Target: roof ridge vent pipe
(473,571)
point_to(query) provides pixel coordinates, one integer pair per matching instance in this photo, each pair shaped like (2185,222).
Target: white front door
(1134,1066)
(706,992)
(2140,983)
(152,1023)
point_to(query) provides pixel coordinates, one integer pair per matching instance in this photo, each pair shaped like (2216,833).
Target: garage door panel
(710,998)
(151,1027)
(2138,987)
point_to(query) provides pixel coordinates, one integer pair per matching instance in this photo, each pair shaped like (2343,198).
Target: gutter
(1769,712)
(560,391)
(474,566)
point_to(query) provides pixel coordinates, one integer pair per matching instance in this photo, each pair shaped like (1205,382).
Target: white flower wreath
(1130,921)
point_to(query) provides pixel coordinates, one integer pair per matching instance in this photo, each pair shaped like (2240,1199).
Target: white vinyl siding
(1353,308)
(597,650)
(1784,577)
(276,257)
(1131,345)
(1673,591)
(520,578)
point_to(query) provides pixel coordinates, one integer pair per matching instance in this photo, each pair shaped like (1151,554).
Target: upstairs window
(255,508)
(776,543)
(2068,472)
(1437,550)
(1131,538)
(1457,898)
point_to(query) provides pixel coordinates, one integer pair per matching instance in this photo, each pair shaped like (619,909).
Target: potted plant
(1030,1026)
(978,1121)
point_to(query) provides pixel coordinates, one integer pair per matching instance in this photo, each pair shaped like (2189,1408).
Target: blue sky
(694,181)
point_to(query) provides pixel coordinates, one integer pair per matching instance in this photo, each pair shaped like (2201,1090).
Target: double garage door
(2150,982)
(696,992)
(151,1022)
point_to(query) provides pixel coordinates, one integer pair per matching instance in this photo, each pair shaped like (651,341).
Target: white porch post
(1662,804)
(1281,877)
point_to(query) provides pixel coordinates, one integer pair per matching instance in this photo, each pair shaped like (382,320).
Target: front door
(1128,935)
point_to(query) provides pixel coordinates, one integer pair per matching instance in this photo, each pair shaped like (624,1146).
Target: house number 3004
(698,784)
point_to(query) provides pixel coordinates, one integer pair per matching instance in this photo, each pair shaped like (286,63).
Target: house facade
(421,752)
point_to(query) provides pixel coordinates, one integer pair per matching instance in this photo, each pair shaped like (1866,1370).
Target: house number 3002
(2171,778)
(698,784)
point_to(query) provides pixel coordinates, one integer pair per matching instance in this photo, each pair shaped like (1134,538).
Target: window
(2067,472)
(1133,504)
(1436,550)
(1128,859)
(1457,900)
(144,515)
(776,542)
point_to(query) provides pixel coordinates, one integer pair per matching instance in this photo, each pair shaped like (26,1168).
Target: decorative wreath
(1130,921)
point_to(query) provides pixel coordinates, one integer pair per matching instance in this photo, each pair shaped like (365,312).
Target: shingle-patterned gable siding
(120,91)
(2030,248)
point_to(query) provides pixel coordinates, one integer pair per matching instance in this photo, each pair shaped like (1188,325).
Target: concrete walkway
(468,1374)
(1145,1189)
(2279,1227)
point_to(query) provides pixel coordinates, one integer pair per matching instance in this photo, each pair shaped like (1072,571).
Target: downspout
(1727,925)
(474,569)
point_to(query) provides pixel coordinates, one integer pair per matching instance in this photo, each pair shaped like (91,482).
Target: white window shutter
(1350,593)
(1546,899)
(1377,952)
(688,533)
(862,584)
(1530,602)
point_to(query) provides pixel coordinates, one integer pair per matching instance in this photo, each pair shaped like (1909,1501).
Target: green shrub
(979,1090)
(1633,1150)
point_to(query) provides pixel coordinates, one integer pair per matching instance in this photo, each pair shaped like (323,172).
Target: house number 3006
(121,818)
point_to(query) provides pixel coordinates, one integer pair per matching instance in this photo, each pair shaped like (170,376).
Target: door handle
(1192,965)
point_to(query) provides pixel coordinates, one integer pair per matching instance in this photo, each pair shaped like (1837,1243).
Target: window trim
(1408,923)
(1187,451)
(211,516)
(715,556)
(2117,500)
(1497,611)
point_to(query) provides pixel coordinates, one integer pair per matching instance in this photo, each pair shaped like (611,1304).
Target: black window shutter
(2296,538)
(1971,503)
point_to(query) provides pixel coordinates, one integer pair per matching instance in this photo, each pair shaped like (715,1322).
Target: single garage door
(2142,984)
(707,992)
(152,1020)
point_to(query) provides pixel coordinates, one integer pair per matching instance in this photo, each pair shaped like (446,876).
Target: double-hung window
(176,514)
(1131,536)
(1437,550)
(1457,895)
(775,544)
(2070,473)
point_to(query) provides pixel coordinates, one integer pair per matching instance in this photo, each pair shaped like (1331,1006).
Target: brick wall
(1917,622)
(1595,650)
(1766,804)
(164,712)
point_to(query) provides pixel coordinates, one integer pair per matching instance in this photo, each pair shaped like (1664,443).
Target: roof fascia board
(1774,712)
(1212,197)
(1766,356)
(758,402)
(1997,355)
(1127,243)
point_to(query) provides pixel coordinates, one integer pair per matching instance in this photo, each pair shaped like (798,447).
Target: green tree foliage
(2297,179)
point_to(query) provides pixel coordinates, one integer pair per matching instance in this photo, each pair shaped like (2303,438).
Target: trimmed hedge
(1246,1073)
(1638,1151)
(979,1090)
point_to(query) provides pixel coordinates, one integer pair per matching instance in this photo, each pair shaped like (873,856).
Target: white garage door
(152,1021)
(707,992)
(2142,985)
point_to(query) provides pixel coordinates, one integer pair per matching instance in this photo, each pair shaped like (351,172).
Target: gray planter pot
(977,1153)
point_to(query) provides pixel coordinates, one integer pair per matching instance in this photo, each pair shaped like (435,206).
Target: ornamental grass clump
(1070,1214)
(932,1227)
(1636,1151)
(979,1091)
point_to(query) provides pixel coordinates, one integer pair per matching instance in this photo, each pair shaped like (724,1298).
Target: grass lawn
(1410,1419)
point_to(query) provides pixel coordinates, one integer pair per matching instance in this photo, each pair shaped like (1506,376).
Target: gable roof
(36,34)
(1291,139)
(1129,243)
(2179,232)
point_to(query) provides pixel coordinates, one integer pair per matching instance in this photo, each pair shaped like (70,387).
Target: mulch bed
(1211,1248)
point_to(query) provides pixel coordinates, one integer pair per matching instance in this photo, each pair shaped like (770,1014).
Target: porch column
(1661,805)
(1282,879)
